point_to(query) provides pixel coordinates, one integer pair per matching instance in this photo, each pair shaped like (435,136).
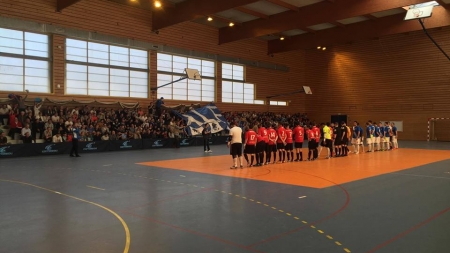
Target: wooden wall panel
(121,20)
(403,77)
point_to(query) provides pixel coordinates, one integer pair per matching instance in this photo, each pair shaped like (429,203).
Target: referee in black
(75,136)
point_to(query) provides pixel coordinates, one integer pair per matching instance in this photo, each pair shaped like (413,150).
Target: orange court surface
(317,174)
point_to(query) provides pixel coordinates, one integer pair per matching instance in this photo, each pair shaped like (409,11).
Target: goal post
(438,129)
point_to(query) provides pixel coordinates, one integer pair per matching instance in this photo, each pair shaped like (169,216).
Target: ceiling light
(281,38)
(210,19)
(319,47)
(157,4)
(231,24)
(324,48)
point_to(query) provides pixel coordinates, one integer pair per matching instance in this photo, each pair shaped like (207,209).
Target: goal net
(438,129)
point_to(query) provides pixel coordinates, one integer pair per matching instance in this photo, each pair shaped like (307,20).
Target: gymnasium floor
(187,201)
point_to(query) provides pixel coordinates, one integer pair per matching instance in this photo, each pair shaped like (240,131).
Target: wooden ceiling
(303,24)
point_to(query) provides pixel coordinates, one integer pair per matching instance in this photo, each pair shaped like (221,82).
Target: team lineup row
(268,139)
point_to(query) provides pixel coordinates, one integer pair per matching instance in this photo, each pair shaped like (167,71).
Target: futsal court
(184,200)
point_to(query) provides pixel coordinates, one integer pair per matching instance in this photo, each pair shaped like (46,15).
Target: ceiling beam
(62,4)
(322,12)
(371,17)
(338,24)
(190,10)
(224,20)
(252,12)
(360,31)
(284,4)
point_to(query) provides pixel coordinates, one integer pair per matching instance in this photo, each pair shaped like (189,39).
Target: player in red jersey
(261,146)
(250,145)
(273,137)
(299,137)
(311,143)
(281,142)
(316,132)
(289,143)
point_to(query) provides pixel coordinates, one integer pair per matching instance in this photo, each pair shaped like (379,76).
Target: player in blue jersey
(356,137)
(376,137)
(387,136)
(369,136)
(394,135)
(382,135)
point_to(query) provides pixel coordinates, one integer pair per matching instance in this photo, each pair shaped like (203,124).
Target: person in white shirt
(235,145)
(37,107)
(4,114)
(57,138)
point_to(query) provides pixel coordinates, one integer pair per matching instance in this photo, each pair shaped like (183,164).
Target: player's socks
(301,156)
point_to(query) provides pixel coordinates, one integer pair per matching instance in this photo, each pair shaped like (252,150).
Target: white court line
(107,165)
(415,175)
(302,197)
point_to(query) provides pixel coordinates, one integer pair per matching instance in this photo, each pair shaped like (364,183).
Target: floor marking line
(347,250)
(313,227)
(288,214)
(416,175)
(338,243)
(297,218)
(320,231)
(124,224)
(304,222)
(93,187)
(330,237)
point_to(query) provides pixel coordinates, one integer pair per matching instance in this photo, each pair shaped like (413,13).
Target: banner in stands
(15,150)
(195,119)
(50,148)
(125,145)
(187,142)
(93,146)
(158,143)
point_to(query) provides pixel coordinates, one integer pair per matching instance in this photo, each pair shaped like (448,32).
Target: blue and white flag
(195,119)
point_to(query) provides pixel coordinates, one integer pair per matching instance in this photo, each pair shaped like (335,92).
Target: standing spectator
(159,104)
(76,134)
(206,137)
(20,101)
(37,129)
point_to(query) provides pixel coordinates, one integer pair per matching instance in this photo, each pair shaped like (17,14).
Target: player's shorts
(337,142)
(356,141)
(390,138)
(386,139)
(289,146)
(328,143)
(298,144)
(323,143)
(312,144)
(369,140)
(249,149)
(344,141)
(272,148)
(280,146)
(236,149)
(394,139)
(377,140)
(260,147)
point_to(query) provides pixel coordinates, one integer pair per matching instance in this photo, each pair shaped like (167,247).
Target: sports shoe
(210,151)
(233,167)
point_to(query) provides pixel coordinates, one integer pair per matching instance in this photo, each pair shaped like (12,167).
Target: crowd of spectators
(51,123)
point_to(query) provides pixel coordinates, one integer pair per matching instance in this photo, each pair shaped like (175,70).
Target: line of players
(266,141)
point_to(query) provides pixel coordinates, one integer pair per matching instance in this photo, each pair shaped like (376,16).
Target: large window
(171,68)
(96,69)
(24,61)
(281,103)
(234,89)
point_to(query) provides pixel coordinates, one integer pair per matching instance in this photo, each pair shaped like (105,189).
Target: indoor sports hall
(134,82)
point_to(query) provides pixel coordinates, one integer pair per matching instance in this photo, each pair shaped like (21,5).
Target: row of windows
(98,69)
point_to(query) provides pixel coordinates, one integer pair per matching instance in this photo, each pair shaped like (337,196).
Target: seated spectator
(113,136)
(27,137)
(49,124)
(137,135)
(48,135)
(3,139)
(57,138)
(105,137)
(26,130)
(97,136)
(4,114)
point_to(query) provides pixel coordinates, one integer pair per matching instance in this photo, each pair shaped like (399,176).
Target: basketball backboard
(307,90)
(419,11)
(193,74)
